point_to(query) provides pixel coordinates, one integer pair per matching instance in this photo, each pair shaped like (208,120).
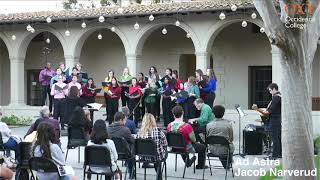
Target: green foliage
(106,2)
(14,120)
(67,3)
(317,145)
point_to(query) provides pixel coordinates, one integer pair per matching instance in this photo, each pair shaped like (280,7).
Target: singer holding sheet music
(59,92)
(113,95)
(105,86)
(166,91)
(89,91)
(134,96)
(125,82)
(44,78)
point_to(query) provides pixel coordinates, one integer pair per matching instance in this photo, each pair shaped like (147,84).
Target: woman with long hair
(153,74)
(194,93)
(44,147)
(79,120)
(201,82)
(142,82)
(99,137)
(149,130)
(178,82)
(125,81)
(105,86)
(150,99)
(113,95)
(59,92)
(210,88)
(89,91)
(134,96)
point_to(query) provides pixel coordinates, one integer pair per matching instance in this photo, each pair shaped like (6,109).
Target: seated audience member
(72,101)
(10,142)
(149,130)
(129,122)
(44,147)
(221,127)
(45,117)
(79,120)
(199,124)
(100,137)
(178,126)
(118,129)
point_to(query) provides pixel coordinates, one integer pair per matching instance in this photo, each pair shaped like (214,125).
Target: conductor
(274,112)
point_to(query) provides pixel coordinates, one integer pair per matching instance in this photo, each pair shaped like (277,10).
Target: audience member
(221,127)
(129,122)
(178,126)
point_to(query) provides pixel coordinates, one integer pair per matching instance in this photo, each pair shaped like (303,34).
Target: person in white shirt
(74,82)
(10,142)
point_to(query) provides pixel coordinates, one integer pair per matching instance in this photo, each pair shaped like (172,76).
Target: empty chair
(97,161)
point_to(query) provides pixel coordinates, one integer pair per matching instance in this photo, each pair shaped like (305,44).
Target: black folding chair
(147,149)
(2,148)
(222,141)
(177,145)
(42,165)
(97,161)
(124,152)
(76,138)
(23,157)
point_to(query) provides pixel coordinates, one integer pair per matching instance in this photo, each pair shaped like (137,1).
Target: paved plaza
(239,164)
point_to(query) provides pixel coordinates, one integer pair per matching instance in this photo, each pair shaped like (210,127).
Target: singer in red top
(134,99)
(113,95)
(89,91)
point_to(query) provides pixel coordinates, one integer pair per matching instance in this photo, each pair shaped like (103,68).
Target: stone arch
(83,34)
(146,30)
(6,41)
(216,28)
(27,38)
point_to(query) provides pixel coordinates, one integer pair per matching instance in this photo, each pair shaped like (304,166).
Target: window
(259,78)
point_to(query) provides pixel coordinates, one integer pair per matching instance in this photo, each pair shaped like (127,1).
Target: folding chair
(97,161)
(124,152)
(76,138)
(42,165)
(147,148)
(222,141)
(23,156)
(177,145)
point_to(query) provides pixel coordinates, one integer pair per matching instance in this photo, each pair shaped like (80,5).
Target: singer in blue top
(211,87)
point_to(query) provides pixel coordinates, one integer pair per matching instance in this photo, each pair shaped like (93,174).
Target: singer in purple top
(166,91)
(44,78)
(211,87)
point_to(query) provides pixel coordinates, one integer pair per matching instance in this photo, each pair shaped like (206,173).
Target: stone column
(71,61)
(202,60)
(276,65)
(134,63)
(17,82)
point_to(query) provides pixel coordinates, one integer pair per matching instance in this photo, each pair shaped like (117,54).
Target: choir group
(140,94)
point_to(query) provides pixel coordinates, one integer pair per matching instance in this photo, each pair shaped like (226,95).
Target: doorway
(34,97)
(187,66)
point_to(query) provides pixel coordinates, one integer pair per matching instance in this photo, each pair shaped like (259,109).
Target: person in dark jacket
(45,117)
(79,120)
(72,101)
(117,129)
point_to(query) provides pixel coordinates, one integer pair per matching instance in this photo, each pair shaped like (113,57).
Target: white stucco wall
(4,75)
(163,51)
(99,56)
(233,51)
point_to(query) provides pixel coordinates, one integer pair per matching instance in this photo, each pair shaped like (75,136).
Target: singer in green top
(125,82)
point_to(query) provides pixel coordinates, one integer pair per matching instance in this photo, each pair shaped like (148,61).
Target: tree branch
(278,33)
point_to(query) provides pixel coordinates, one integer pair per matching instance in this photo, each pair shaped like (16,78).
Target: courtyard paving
(240,164)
